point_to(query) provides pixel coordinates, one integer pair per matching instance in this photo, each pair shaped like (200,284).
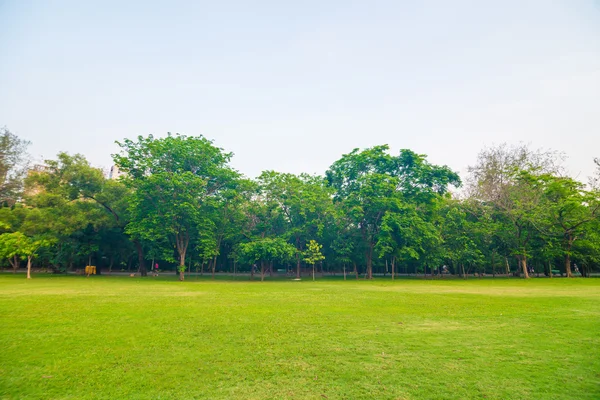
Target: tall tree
(569,210)
(172,180)
(367,182)
(304,203)
(13,166)
(502,177)
(81,198)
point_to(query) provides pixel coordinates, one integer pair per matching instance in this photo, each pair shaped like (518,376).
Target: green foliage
(173,180)
(267,249)
(180,202)
(312,254)
(371,185)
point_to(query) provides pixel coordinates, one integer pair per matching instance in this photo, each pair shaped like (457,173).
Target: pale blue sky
(292,85)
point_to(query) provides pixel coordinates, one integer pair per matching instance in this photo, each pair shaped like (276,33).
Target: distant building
(115,173)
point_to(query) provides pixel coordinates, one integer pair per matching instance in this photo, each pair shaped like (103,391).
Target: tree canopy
(179,204)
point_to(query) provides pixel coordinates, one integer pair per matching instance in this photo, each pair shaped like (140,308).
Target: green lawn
(156,338)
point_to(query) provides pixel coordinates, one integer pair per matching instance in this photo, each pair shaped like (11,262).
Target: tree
(368,182)
(31,234)
(461,239)
(503,177)
(173,179)
(569,210)
(80,202)
(312,255)
(406,235)
(303,202)
(266,251)
(13,166)
(18,245)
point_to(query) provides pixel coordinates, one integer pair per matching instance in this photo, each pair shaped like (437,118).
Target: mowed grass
(156,338)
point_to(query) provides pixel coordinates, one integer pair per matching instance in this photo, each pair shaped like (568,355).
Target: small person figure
(576,268)
(156,269)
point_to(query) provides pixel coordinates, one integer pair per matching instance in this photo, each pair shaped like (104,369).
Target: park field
(70,337)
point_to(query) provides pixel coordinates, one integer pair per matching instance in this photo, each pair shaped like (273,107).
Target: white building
(115,173)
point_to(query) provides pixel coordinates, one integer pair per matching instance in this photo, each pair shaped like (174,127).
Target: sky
(293,85)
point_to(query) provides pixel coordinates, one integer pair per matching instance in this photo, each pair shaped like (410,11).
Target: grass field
(155,338)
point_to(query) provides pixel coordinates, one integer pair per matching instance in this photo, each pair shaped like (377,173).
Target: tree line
(179,204)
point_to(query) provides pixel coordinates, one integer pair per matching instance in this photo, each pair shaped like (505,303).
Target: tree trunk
(568,265)
(297,258)
(313,268)
(523,262)
(15,263)
(493,266)
(356,271)
(507,267)
(462,269)
(181,265)
(369,259)
(393,267)
(214,266)
(262,271)
(112,261)
(568,257)
(28,267)
(202,269)
(344,271)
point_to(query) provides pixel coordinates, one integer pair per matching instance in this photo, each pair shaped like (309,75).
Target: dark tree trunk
(568,257)
(141,261)
(214,266)
(15,263)
(370,262)
(297,258)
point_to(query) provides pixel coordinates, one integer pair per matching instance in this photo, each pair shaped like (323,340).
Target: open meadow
(68,337)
